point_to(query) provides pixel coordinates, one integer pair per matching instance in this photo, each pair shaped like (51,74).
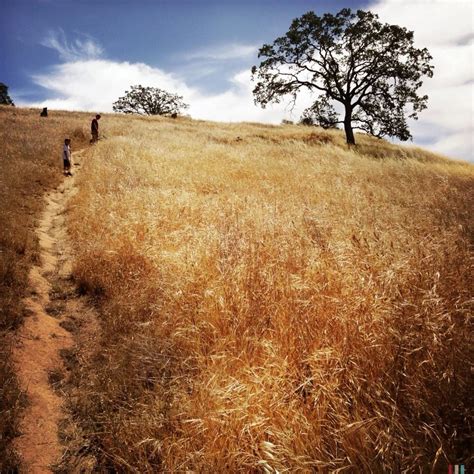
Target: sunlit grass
(272,300)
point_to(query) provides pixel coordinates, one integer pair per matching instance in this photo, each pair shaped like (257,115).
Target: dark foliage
(150,101)
(321,113)
(5,99)
(372,69)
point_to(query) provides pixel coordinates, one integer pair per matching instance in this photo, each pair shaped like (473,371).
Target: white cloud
(86,48)
(236,104)
(224,52)
(435,22)
(95,84)
(445,27)
(85,81)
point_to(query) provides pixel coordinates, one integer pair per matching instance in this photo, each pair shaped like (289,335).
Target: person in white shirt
(67,157)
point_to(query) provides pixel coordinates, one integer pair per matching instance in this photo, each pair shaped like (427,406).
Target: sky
(83,55)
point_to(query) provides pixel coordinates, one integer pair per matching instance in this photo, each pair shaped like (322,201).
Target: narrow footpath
(52,305)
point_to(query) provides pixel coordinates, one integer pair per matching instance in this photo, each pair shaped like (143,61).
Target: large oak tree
(372,69)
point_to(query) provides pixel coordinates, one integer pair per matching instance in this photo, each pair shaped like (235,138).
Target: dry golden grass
(272,301)
(269,300)
(30,164)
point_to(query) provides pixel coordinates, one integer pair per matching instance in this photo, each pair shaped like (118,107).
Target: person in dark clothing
(95,128)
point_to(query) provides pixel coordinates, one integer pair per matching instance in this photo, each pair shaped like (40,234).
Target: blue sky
(165,34)
(82,55)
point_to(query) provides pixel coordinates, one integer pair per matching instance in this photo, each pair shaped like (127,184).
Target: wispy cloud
(223,52)
(77,49)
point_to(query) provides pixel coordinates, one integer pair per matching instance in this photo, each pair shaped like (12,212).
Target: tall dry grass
(272,301)
(30,164)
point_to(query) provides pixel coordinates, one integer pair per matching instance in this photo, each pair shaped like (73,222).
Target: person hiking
(67,157)
(95,128)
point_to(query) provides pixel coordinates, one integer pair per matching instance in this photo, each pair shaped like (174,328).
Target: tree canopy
(370,68)
(149,101)
(5,99)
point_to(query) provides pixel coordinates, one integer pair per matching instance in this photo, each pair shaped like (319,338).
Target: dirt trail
(43,337)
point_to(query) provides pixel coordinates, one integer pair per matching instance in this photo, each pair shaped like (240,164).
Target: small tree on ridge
(372,69)
(149,101)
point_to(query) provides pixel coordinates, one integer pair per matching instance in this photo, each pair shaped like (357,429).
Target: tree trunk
(348,126)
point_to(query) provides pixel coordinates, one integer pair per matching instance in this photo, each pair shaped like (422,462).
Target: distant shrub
(79,134)
(318,139)
(308,121)
(5,99)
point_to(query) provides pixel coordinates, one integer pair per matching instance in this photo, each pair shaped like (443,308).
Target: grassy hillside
(30,164)
(270,300)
